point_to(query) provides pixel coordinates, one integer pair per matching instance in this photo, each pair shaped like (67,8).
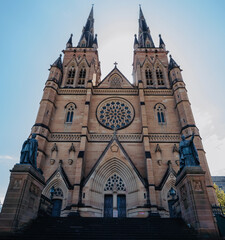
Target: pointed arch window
(115,183)
(148,76)
(160,113)
(70,108)
(70,76)
(82,76)
(159,76)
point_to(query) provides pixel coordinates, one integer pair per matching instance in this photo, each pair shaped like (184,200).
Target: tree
(220,196)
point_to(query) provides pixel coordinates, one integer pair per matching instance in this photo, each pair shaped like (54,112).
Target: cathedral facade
(108,147)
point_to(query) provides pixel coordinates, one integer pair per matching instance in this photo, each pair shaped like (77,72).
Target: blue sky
(33,34)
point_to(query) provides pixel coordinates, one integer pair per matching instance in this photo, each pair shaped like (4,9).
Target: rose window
(115,113)
(115,183)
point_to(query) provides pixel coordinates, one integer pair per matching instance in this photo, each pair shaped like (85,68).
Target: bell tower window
(148,76)
(82,76)
(159,76)
(70,76)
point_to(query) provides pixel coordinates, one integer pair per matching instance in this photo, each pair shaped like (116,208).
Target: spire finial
(115,63)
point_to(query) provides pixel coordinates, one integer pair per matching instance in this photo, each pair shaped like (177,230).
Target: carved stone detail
(158,149)
(52,161)
(72,148)
(54,148)
(159,162)
(164,92)
(160,137)
(64,137)
(118,91)
(175,148)
(177,162)
(17,184)
(114,148)
(34,189)
(72,91)
(197,185)
(70,161)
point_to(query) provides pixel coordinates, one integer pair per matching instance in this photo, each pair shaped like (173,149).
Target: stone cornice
(106,137)
(70,91)
(158,92)
(111,91)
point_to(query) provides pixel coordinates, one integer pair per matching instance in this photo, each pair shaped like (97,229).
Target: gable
(115,79)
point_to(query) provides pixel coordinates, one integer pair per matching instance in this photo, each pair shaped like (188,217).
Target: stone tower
(109,147)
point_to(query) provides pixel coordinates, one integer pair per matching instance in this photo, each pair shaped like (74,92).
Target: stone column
(22,198)
(196,209)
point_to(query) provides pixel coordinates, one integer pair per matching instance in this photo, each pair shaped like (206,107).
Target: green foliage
(220,195)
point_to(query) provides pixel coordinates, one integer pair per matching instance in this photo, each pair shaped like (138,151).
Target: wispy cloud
(8,157)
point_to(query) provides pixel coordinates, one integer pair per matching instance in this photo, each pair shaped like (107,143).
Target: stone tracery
(115,113)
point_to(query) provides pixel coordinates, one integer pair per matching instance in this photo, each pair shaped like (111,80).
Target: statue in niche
(188,153)
(29,151)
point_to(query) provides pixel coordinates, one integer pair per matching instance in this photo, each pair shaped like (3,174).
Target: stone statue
(29,151)
(188,153)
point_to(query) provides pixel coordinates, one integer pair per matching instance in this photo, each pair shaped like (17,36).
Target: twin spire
(89,40)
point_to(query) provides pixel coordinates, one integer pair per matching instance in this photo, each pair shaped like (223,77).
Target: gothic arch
(94,188)
(159,67)
(70,112)
(112,166)
(165,190)
(160,113)
(58,183)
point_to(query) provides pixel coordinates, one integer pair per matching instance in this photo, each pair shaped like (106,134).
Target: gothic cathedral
(108,147)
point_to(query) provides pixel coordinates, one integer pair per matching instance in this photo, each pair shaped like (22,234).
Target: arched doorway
(56,208)
(115,197)
(57,197)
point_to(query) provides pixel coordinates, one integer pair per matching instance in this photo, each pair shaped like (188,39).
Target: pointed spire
(70,43)
(173,64)
(161,43)
(87,36)
(58,63)
(144,36)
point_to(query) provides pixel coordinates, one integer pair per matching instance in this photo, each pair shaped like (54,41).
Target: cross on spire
(115,63)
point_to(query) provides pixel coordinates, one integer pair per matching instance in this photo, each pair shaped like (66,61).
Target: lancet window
(148,76)
(159,76)
(70,113)
(82,76)
(160,112)
(70,76)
